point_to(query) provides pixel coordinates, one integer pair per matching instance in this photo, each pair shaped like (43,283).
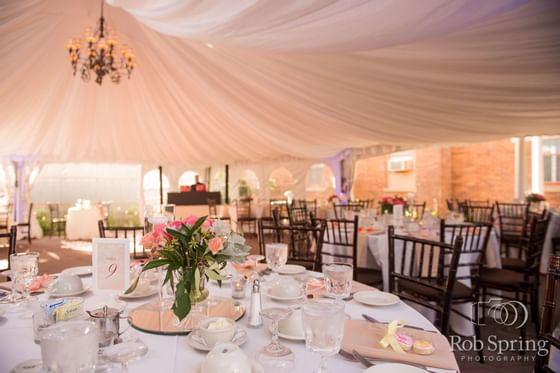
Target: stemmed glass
(25,267)
(323,327)
(276,256)
(126,352)
(276,357)
(255,259)
(338,279)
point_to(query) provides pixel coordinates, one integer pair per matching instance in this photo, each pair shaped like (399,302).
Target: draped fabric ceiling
(226,81)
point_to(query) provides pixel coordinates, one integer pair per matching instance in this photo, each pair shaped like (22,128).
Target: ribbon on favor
(390,339)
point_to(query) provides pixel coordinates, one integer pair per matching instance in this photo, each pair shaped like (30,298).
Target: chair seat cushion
(514,264)
(504,278)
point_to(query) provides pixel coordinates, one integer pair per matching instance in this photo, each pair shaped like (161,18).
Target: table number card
(111,263)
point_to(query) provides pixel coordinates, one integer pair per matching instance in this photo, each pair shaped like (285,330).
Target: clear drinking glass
(276,255)
(338,279)
(276,357)
(69,347)
(25,267)
(323,327)
(255,259)
(126,352)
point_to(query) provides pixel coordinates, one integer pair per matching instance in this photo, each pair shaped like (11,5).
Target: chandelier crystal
(100,56)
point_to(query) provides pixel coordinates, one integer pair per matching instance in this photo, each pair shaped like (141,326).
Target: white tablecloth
(379,248)
(173,354)
(81,223)
(552,231)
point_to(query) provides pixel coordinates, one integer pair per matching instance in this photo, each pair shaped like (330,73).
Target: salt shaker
(255,319)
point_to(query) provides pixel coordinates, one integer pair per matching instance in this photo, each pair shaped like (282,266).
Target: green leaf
(214,275)
(155,263)
(196,278)
(198,223)
(134,284)
(182,305)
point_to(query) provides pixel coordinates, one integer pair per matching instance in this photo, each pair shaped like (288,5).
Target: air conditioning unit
(399,165)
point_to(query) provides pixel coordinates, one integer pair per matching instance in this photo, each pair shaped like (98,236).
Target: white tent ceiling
(225,81)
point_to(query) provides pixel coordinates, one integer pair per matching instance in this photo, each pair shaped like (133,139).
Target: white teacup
(286,288)
(293,325)
(216,330)
(226,358)
(66,283)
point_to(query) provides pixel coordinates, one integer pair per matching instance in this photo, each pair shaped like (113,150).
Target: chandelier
(100,56)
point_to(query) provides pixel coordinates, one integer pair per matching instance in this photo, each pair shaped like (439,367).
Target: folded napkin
(39,285)
(364,337)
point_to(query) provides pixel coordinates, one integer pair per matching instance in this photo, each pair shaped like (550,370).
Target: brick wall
(433,177)
(370,177)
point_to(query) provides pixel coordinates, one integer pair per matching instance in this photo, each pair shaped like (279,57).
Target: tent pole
(227,184)
(160,187)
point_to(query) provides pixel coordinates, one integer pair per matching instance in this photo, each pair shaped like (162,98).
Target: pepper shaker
(255,319)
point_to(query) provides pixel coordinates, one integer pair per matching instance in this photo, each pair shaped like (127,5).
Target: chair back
(212,209)
(30,213)
(480,203)
(243,208)
(479,214)
(475,241)
(54,210)
(297,212)
(552,294)
(512,217)
(533,245)
(341,208)
(419,208)
(424,272)
(101,226)
(304,242)
(342,238)
(281,205)
(11,237)
(450,204)
(5,217)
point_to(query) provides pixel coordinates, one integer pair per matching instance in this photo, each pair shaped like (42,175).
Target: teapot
(107,320)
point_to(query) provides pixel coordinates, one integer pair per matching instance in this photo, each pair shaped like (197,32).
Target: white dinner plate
(195,340)
(393,367)
(69,294)
(140,294)
(376,298)
(282,299)
(78,271)
(291,269)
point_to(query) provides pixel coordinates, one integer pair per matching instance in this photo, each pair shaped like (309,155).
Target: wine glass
(25,267)
(276,256)
(276,357)
(323,327)
(126,352)
(255,259)
(13,296)
(338,279)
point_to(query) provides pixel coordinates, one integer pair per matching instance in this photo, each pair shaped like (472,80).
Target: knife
(373,320)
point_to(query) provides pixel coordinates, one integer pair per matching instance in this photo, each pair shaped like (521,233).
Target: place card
(111,263)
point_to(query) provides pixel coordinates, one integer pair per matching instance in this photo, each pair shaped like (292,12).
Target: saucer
(196,341)
(376,298)
(69,294)
(255,368)
(136,294)
(283,299)
(291,269)
(79,271)
(393,367)
(288,336)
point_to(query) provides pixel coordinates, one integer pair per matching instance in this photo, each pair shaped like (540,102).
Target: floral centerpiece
(388,202)
(193,250)
(535,197)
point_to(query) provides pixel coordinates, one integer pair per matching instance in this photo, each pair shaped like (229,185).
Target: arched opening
(248,185)
(281,183)
(188,178)
(320,182)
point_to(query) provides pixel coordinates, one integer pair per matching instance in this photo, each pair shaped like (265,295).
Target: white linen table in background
(553,230)
(81,223)
(172,354)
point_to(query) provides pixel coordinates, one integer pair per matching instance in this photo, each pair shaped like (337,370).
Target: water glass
(323,328)
(25,267)
(40,322)
(338,279)
(69,347)
(276,255)
(276,357)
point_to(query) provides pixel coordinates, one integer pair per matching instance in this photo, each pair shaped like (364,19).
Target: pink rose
(216,244)
(191,220)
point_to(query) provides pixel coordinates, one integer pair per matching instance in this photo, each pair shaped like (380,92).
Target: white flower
(221,228)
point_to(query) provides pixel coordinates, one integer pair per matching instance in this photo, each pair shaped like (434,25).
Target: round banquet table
(173,353)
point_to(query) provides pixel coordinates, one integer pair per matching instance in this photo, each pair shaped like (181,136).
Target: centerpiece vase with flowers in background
(537,202)
(191,251)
